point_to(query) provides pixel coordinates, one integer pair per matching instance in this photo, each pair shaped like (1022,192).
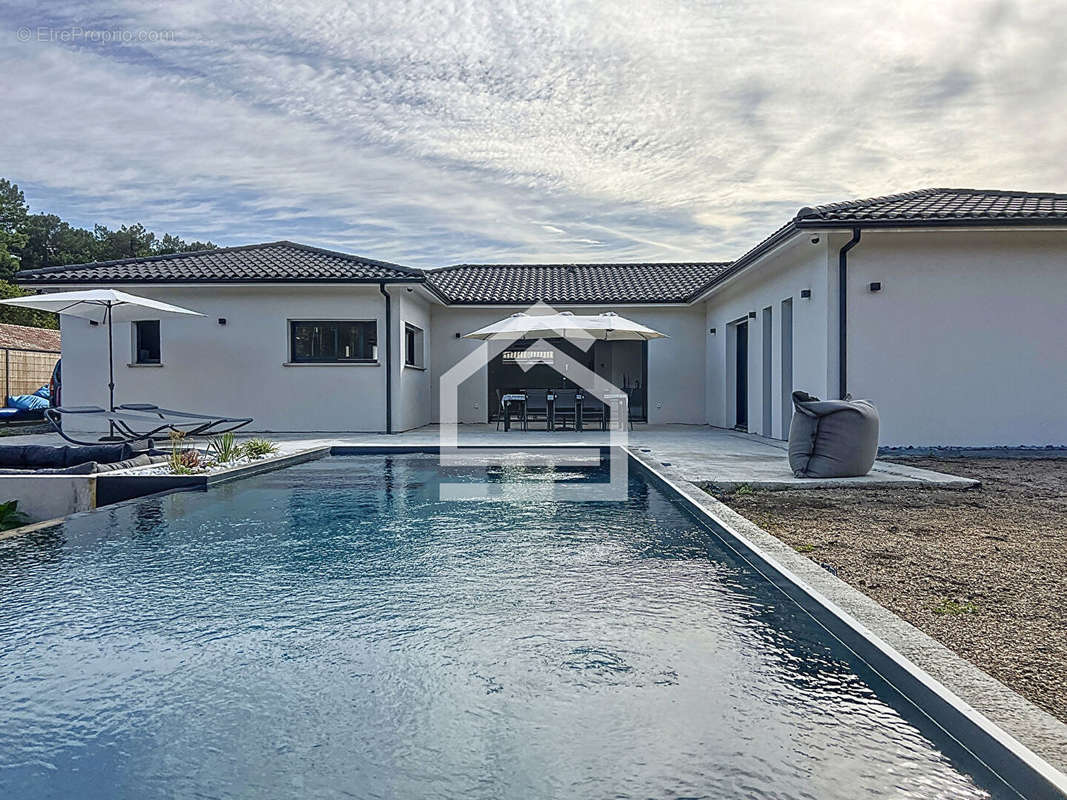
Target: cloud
(436,132)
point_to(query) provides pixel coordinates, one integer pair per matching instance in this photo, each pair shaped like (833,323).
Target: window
(333,342)
(413,346)
(146,342)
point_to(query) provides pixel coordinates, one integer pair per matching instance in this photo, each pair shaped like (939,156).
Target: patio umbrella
(533,326)
(103,306)
(612,327)
(567,325)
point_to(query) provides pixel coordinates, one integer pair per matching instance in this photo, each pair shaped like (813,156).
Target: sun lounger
(139,422)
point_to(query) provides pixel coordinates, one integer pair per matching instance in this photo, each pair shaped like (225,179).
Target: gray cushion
(12,455)
(143,460)
(832,438)
(39,456)
(101,453)
(88,468)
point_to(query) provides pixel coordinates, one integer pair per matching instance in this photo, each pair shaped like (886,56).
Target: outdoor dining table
(615,402)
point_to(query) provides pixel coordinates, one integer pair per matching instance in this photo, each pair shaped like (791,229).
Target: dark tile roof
(273,262)
(572,283)
(943,206)
(23,337)
(924,208)
(469,284)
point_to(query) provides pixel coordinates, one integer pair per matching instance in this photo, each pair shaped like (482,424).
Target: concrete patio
(707,456)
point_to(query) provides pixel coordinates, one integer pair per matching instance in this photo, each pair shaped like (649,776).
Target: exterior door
(741,379)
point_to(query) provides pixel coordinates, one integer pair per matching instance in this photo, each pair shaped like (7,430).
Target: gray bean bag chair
(832,438)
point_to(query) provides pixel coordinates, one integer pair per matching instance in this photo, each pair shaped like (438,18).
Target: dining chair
(593,409)
(536,408)
(565,407)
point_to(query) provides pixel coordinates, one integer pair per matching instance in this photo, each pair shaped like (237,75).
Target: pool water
(334,630)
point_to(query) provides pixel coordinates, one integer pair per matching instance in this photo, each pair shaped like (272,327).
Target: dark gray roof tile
(272,262)
(948,205)
(524,284)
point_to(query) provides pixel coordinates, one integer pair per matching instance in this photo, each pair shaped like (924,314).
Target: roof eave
(775,240)
(216,281)
(809,223)
(527,303)
(796,225)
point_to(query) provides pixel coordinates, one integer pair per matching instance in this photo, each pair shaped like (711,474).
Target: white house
(943,306)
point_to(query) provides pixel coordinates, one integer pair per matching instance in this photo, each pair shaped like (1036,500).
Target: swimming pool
(334,630)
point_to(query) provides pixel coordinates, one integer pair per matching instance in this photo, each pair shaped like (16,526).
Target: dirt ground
(983,571)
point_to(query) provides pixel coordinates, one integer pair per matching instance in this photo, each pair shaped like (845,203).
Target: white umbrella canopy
(566,325)
(533,326)
(611,326)
(102,306)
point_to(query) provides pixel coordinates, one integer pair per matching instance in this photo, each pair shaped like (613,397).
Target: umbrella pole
(111,437)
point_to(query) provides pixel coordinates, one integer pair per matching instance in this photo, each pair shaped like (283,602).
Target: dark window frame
(139,327)
(414,346)
(370,342)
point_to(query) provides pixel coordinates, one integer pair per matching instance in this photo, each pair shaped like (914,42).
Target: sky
(440,132)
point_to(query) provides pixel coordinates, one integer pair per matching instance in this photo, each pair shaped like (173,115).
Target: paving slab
(712,457)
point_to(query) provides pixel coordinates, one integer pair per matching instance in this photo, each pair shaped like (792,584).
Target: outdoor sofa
(33,459)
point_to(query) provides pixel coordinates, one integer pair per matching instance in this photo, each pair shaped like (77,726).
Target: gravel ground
(983,571)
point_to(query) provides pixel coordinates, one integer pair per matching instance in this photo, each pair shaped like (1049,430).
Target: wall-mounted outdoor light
(459,335)
(751,314)
(93,322)
(711,331)
(876,286)
(805,293)
(222,320)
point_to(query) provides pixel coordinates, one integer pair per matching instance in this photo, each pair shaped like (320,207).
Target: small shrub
(953,607)
(259,448)
(11,517)
(806,547)
(182,461)
(744,489)
(224,448)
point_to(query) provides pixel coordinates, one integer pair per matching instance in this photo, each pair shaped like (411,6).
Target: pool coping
(1014,738)
(1017,741)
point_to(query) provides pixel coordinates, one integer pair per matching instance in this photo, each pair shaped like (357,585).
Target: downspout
(842,312)
(388,358)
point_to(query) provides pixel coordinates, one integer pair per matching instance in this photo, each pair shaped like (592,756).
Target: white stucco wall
(675,364)
(238,368)
(782,275)
(965,344)
(411,392)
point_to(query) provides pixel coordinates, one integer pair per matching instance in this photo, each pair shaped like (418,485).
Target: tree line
(31,241)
